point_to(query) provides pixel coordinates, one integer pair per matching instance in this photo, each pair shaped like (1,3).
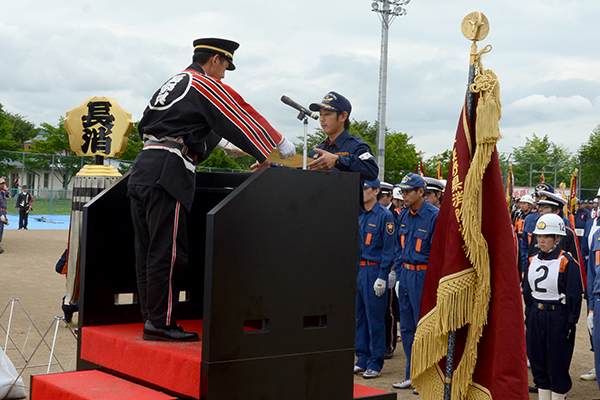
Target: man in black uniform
(183,122)
(24,202)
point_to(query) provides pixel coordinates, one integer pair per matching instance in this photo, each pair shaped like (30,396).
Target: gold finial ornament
(475,26)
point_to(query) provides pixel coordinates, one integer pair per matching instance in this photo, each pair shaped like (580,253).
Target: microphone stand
(304,118)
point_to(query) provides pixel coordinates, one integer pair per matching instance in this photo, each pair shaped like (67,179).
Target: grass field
(43,206)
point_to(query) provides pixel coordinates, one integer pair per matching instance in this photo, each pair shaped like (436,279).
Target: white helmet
(397,193)
(526,199)
(550,224)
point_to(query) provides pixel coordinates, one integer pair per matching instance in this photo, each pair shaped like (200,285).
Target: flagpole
(474,27)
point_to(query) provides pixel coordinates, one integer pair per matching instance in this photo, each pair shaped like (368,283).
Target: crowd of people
(559,264)
(397,227)
(559,260)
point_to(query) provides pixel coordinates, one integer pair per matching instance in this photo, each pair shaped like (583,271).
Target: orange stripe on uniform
(563,265)
(418,247)
(368,241)
(402,240)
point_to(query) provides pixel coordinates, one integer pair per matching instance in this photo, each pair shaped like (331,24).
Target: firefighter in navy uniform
(552,290)
(184,121)
(379,243)
(415,227)
(392,312)
(341,151)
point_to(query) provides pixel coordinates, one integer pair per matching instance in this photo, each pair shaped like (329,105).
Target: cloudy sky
(56,54)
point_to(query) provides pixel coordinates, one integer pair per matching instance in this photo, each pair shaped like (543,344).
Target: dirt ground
(27,274)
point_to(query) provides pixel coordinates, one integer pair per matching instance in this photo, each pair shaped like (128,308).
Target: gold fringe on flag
(463,298)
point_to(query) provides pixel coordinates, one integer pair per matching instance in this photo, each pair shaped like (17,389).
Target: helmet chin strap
(553,248)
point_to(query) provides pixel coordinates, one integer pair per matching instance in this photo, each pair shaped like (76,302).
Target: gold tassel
(463,298)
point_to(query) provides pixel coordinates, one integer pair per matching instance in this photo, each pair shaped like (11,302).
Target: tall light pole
(387,10)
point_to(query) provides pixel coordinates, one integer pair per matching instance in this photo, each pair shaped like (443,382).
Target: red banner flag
(572,205)
(472,283)
(510,186)
(419,169)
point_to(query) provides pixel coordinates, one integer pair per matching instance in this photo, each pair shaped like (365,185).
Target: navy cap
(412,181)
(222,47)
(374,184)
(546,187)
(332,101)
(551,199)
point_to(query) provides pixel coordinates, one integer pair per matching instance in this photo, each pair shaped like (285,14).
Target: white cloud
(57,54)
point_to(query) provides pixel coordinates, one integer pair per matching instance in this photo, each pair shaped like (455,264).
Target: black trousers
(161,251)
(23,217)
(549,350)
(392,317)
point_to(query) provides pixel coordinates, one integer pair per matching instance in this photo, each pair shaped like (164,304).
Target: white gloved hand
(392,279)
(590,322)
(230,149)
(286,148)
(379,287)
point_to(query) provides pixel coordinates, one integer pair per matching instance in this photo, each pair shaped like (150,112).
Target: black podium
(271,272)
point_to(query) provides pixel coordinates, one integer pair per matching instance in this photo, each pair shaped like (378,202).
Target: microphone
(303,110)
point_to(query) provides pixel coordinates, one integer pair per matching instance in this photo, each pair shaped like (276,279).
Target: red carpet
(361,391)
(174,366)
(89,385)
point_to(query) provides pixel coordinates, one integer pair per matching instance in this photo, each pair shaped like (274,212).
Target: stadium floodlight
(387,10)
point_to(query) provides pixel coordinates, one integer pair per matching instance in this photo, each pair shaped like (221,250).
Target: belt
(549,306)
(365,263)
(174,145)
(412,267)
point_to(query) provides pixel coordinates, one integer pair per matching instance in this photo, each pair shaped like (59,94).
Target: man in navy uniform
(415,227)
(378,245)
(184,120)
(341,151)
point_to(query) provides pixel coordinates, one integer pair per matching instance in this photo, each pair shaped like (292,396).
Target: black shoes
(168,334)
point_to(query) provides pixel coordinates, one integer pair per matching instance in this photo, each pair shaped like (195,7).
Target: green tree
(589,158)
(7,142)
(134,144)
(312,140)
(540,153)
(22,130)
(431,164)
(400,156)
(218,159)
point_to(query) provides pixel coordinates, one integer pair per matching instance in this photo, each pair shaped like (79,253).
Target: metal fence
(49,177)
(556,171)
